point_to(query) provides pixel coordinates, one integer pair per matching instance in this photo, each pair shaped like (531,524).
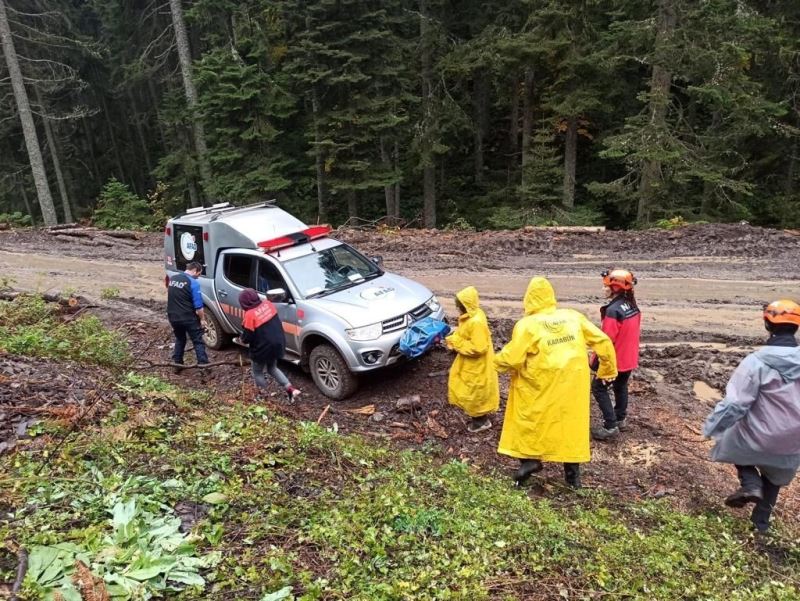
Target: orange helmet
(619,279)
(782,311)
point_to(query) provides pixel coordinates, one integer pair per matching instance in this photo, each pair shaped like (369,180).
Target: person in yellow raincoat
(472,385)
(547,415)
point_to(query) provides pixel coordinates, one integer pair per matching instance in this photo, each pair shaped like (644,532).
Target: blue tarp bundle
(422,335)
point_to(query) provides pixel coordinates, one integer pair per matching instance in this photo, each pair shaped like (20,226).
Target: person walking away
(185,312)
(263,332)
(547,415)
(757,424)
(621,322)
(472,384)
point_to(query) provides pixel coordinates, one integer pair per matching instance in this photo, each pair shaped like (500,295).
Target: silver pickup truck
(342,313)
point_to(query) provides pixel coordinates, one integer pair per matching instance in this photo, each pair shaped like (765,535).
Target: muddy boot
(743,496)
(572,474)
(622,424)
(603,433)
(479,424)
(526,468)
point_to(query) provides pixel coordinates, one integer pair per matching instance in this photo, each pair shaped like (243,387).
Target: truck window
(269,277)
(238,269)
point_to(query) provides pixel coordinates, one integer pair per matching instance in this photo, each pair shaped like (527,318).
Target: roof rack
(222,207)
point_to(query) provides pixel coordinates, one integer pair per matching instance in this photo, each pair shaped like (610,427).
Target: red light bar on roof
(301,237)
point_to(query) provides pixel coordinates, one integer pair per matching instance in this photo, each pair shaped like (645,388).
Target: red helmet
(782,311)
(619,279)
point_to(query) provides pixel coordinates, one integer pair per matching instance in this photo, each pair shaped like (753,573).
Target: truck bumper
(374,354)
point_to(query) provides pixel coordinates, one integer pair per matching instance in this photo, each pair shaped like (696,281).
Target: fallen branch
(181,366)
(69,301)
(126,234)
(323,414)
(22,568)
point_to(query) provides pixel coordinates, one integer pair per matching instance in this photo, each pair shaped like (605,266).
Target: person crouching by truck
(547,415)
(757,424)
(185,312)
(262,331)
(472,384)
(621,321)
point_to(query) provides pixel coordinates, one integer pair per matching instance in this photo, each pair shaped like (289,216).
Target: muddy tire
(331,374)
(215,337)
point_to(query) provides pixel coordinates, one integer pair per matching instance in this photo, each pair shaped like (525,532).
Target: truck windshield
(330,270)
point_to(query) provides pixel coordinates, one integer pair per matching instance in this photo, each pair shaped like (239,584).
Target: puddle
(706,393)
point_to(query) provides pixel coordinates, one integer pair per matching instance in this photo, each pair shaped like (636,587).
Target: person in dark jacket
(263,332)
(621,321)
(757,424)
(185,312)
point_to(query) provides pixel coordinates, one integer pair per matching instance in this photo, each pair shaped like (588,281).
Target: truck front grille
(399,323)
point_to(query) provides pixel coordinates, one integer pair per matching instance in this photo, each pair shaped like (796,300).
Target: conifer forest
(431,113)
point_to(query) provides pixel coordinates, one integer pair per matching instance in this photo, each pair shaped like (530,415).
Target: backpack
(422,335)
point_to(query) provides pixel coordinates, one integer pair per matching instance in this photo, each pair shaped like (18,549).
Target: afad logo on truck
(188,246)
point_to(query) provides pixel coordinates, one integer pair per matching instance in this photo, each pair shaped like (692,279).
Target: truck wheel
(215,337)
(331,374)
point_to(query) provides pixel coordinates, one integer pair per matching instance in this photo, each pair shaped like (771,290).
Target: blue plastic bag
(422,335)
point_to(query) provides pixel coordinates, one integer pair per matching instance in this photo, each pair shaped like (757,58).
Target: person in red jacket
(622,323)
(262,331)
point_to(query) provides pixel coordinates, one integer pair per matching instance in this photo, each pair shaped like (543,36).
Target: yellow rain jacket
(473,379)
(547,415)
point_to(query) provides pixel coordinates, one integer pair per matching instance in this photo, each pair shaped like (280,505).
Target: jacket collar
(782,340)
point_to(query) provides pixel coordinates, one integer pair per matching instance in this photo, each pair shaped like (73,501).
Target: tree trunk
(479,100)
(113,138)
(154,98)
(352,204)
(194,195)
(140,134)
(791,172)
(660,82)
(319,159)
(396,213)
(527,122)
(90,147)
(21,184)
(388,189)
(26,118)
(570,159)
(513,129)
(52,146)
(429,167)
(185,57)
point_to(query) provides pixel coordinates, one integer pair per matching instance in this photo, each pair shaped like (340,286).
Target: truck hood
(385,297)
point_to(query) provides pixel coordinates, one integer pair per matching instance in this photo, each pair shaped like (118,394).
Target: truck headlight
(370,332)
(433,304)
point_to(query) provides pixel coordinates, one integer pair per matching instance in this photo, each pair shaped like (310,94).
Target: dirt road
(692,307)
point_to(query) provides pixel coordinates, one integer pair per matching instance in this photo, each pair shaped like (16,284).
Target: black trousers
(193,329)
(752,479)
(612,413)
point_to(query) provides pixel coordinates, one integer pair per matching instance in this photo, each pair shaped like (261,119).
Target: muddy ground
(700,289)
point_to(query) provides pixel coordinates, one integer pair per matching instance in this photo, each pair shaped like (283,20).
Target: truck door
(269,278)
(236,274)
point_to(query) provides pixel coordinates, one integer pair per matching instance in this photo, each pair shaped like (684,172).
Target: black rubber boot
(742,496)
(572,474)
(527,467)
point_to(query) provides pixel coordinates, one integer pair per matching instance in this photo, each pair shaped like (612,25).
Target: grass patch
(32,327)
(282,504)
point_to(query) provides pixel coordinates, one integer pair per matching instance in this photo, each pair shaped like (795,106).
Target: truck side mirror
(378,260)
(277,295)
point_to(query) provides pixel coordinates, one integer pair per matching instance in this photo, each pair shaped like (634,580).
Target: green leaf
(186,577)
(284,593)
(215,498)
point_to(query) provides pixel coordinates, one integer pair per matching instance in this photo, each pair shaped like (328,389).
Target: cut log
(127,234)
